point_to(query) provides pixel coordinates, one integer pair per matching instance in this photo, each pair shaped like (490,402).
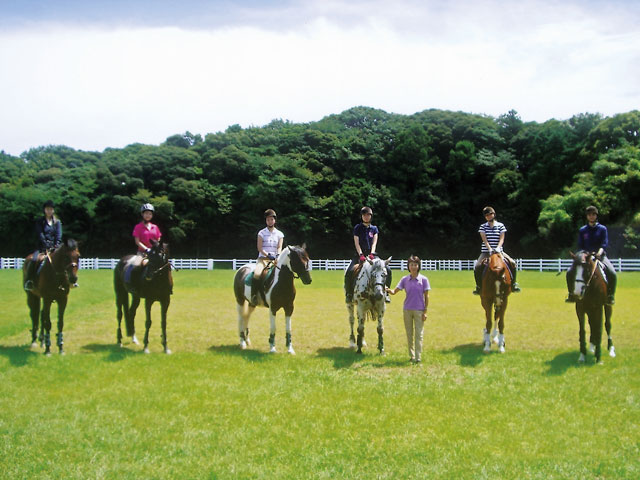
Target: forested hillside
(426,176)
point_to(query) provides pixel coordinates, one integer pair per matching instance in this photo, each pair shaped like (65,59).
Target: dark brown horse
(279,293)
(496,287)
(57,275)
(143,277)
(591,290)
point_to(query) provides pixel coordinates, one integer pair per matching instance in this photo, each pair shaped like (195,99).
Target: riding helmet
(147,207)
(364,210)
(270,213)
(591,209)
(48,203)
(488,210)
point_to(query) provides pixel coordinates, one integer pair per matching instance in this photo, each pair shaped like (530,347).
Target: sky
(98,74)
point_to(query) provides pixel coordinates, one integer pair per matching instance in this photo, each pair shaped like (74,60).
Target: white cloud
(91,87)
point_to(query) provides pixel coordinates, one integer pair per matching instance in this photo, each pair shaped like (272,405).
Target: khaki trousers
(414,326)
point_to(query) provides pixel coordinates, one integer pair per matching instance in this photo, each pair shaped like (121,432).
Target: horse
(278,292)
(496,287)
(150,280)
(58,274)
(590,288)
(368,295)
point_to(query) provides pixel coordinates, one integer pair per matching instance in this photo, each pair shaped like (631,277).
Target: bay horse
(368,296)
(496,287)
(151,280)
(58,274)
(590,288)
(278,293)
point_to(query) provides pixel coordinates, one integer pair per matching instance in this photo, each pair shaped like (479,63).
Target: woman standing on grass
(416,287)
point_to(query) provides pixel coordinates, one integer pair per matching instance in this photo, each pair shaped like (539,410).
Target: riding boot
(254,292)
(478,277)
(31,270)
(348,286)
(514,284)
(571,280)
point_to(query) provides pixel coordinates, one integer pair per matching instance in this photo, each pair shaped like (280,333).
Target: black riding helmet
(48,203)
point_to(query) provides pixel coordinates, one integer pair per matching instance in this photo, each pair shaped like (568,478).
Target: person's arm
(261,252)
(500,242)
(58,226)
(140,245)
(426,305)
(373,245)
(280,243)
(483,236)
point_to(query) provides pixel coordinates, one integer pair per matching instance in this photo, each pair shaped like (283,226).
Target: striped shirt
(492,233)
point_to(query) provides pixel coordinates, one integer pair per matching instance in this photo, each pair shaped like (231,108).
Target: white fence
(539,264)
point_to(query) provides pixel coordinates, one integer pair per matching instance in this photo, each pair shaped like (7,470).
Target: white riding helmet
(145,207)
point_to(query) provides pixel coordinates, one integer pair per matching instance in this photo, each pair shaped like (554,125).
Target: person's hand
(371,256)
(499,249)
(362,259)
(147,250)
(271,256)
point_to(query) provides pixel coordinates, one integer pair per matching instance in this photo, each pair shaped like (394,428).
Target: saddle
(264,281)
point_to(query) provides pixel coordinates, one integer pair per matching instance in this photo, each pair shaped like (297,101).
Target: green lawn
(213,411)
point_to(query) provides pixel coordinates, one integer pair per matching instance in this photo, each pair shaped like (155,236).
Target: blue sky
(98,74)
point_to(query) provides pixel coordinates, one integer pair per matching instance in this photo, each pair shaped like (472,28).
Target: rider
(594,237)
(270,241)
(49,232)
(492,233)
(365,239)
(145,231)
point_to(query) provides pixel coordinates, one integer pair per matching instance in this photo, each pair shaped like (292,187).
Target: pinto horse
(278,293)
(590,288)
(150,280)
(58,274)
(496,287)
(368,295)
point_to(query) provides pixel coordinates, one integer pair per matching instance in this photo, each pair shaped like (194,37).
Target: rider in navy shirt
(365,239)
(594,237)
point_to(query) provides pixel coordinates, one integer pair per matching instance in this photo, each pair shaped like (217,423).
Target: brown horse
(591,290)
(496,287)
(57,275)
(279,293)
(149,278)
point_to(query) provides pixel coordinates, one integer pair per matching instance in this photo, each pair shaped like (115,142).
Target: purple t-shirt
(414,288)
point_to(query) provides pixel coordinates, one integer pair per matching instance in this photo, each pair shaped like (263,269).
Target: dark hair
(591,209)
(414,259)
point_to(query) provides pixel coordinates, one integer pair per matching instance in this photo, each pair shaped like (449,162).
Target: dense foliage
(427,177)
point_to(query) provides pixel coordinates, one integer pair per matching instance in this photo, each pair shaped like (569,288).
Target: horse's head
(158,256)
(583,264)
(496,263)
(377,277)
(65,261)
(298,262)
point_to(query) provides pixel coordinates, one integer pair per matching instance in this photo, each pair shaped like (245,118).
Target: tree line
(427,177)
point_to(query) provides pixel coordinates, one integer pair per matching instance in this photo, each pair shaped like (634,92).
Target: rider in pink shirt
(146,231)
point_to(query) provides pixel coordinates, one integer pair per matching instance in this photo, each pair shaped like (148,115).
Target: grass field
(213,411)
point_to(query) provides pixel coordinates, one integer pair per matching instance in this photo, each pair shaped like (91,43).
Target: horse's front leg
(596,330)
(131,320)
(147,308)
(45,322)
(352,337)
(500,324)
(381,331)
(488,311)
(361,319)
(164,307)
(608,311)
(62,305)
(581,332)
(272,331)
(244,312)
(33,302)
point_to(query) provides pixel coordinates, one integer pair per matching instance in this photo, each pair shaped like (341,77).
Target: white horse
(279,293)
(368,296)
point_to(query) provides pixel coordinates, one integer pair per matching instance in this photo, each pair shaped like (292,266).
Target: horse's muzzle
(306,278)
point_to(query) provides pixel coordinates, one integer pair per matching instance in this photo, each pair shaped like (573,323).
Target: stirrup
(571,298)
(611,300)
(477,291)
(515,288)
(28,285)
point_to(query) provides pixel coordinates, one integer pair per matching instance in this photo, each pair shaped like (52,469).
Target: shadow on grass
(234,350)
(471,354)
(564,361)
(342,357)
(18,356)
(115,353)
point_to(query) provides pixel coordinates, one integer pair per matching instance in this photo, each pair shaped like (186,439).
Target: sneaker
(611,300)
(515,288)
(571,298)
(28,285)
(476,291)
(387,298)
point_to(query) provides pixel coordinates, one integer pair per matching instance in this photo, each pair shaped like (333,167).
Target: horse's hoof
(599,362)
(243,345)
(272,349)
(383,353)
(146,350)
(134,340)
(248,342)
(487,348)
(352,345)
(502,350)
(364,344)
(581,359)
(120,345)
(62,352)
(359,351)
(290,350)
(592,348)
(47,354)
(612,351)
(34,345)
(167,351)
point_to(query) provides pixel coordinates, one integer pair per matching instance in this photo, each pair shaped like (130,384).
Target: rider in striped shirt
(492,233)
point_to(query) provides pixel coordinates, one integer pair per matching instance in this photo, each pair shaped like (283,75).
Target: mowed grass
(213,411)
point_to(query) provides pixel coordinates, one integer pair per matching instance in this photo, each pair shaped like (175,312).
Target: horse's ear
(386,262)
(304,246)
(573,255)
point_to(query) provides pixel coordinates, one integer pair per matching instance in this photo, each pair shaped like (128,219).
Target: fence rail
(539,264)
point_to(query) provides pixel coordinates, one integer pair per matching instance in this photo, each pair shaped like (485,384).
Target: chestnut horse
(279,293)
(58,274)
(591,289)
(496,287)
(150,280)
